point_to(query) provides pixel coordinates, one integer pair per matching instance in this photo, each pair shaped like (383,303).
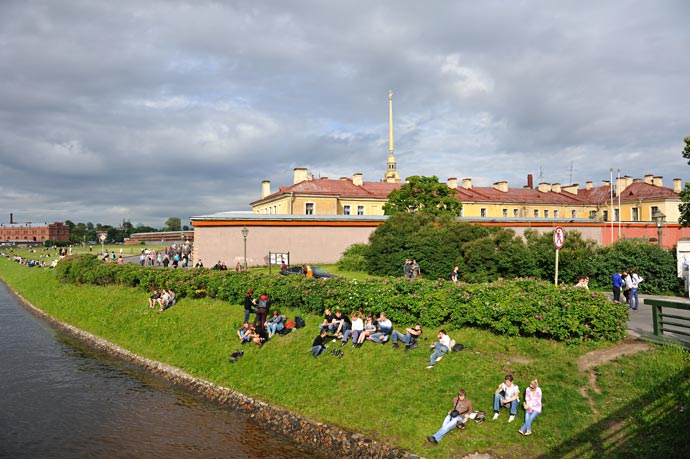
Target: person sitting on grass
(457,417)
(153,299)
(166,300)
(369,329)
(532,406)
(244,333)
(440,348)
(328,319)
(407,337)
(385,327)
(355,331)
(275,324)
(341,323)
(318,347)
(255,336)
(508,396)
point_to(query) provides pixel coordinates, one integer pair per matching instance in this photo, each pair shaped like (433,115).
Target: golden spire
(391,175)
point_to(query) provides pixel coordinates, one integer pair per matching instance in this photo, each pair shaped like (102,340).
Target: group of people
(628,282)
(411,270)
(263,328)
(163,299)
(507,395)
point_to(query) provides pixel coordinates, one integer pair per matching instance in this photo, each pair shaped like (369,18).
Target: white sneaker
(439,359)
(495,417)
(429,367)
(511,418)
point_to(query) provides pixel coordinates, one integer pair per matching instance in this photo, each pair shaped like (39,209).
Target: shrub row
(518,307)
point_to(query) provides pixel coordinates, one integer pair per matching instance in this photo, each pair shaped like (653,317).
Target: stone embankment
(317,436)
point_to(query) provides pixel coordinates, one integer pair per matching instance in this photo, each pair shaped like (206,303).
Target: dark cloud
(142,111)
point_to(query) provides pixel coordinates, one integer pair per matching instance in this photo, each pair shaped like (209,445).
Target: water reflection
(62,400)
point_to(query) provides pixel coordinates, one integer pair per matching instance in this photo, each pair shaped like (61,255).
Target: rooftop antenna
(571,172)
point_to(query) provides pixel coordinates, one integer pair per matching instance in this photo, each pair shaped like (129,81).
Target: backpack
(290,324)
(455,347)
(299,322)
(263,304)
(480,417)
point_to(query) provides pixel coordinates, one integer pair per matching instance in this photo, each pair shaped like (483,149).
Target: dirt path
(591,360)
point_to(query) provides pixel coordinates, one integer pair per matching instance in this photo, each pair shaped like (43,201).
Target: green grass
(386,393)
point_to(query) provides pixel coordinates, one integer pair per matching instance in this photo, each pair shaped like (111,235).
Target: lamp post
(245,232)
(659,219)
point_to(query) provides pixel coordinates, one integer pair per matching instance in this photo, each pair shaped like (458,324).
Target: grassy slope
(383,392)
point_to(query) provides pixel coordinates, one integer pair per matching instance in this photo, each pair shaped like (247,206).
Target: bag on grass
(299,322)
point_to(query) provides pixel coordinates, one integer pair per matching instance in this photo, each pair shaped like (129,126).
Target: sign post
(558,240)
(102,237)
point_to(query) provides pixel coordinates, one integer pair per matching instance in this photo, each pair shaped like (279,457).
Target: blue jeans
(439,350)
(318,350)
(354,333)
(274,328)
(246,314)
(513,405)
(449,424)
(633,294)
(396,335)
(529,418)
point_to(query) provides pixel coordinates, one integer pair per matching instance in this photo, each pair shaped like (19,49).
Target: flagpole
(620,217)
(612,219)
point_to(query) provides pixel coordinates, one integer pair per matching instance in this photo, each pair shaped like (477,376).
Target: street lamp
(245,232)
(659,219)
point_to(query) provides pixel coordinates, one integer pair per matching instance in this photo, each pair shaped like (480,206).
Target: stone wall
(317,436)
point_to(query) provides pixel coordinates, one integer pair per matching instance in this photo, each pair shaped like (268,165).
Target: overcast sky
(144,110)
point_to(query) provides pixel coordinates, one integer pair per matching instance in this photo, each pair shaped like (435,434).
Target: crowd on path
(628,283)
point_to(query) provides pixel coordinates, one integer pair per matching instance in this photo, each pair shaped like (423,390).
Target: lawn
(642,407)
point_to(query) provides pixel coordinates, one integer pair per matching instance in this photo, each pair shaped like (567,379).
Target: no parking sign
(558,241)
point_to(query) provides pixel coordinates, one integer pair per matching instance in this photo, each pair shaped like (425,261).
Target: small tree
(684,206)
(423,195)
(173,224)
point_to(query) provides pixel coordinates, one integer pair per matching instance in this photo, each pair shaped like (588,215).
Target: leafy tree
(684,206)
(424,195)
(173,224)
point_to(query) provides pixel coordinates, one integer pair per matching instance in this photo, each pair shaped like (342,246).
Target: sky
(143,110)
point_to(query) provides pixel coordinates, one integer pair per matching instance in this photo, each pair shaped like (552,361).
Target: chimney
(544,187)
(300,175)
(571,188)
(628,181)
(556,187)
(677,185)
(467,183)
(501,186)
(649,179)
(620,186)
(658,181)
(452,183)
(357,179)
(530,181)
(11,218)
(589,185)
(265,188)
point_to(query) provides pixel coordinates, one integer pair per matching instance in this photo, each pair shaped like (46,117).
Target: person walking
(617,280)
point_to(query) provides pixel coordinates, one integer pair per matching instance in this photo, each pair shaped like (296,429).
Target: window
(516,213)
(635,214)
(482,212)
(309,208)
(360,210)
(505,213)
(616,215)
(652,211)
(606,215)
(573,214)
(346,210)
(546,213)
(556,214)
(536,213)
(462,211)
(592,214)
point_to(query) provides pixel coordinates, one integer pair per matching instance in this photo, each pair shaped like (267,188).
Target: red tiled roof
(343,188)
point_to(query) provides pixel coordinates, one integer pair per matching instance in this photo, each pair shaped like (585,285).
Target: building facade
(30,234)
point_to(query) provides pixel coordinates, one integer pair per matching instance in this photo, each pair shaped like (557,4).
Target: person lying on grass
(457,417)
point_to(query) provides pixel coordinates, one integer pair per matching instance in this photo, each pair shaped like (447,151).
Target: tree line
(88,232)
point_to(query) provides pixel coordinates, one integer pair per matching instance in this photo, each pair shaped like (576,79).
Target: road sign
(558,237)
(101,236)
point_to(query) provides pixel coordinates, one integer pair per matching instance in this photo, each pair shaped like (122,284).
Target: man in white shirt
(440,348)
(508,396)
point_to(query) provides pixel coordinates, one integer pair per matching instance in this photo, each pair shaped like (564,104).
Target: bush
(518,307)
(353,258)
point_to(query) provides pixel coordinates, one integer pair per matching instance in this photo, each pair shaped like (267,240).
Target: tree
(173,224)
(423,195)
(684,206)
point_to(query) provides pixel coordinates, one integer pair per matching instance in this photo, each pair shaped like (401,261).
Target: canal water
(59,399)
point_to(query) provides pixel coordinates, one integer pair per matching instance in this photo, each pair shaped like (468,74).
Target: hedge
(517,307)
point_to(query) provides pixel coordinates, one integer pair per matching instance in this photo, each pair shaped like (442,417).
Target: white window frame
(347,209)
(360,210)
(536,213)
(482,212)
(313,208)
(556,213)
(635,214)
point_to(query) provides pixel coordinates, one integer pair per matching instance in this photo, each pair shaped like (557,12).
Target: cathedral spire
(391,175)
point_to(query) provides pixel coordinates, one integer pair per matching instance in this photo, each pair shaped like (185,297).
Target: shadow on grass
(655,425)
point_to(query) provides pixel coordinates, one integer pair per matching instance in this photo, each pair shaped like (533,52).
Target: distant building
(34,234)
